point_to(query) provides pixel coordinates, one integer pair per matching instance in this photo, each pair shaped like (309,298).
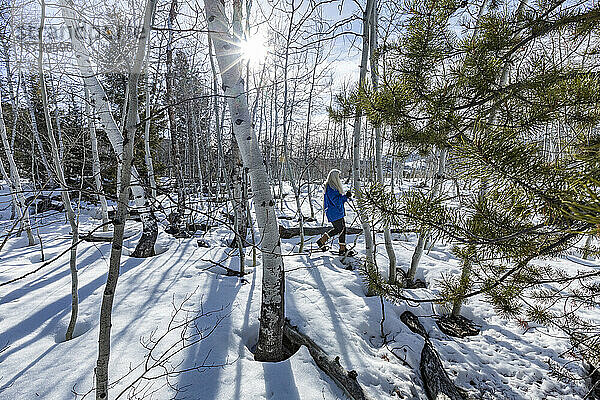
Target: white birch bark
(98,99)
(173,130)
(237,165)
(13,193)
(15,179)
(59,171)
(307,133)
(102,377)
(356,173)
(270,340)
(286,118)
(14,94)
(36,135)
(387,235)
(96,161)
(218,124)
(147,152)
(437,186)
(199,154)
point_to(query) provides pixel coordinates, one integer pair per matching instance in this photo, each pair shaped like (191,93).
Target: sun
(254,49)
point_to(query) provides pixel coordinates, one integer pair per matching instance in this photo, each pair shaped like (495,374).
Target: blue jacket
(334,204)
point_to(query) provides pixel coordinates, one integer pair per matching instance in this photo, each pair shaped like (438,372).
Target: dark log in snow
(133,215)
(435,379)
(413,323)
(288,233)
(41,203)
(95,239)
(145,247)
(457,326)
(346,380)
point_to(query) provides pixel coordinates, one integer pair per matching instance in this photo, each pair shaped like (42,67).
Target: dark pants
(339,226)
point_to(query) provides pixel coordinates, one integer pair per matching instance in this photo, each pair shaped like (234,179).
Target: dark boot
(345,252)
(322,241)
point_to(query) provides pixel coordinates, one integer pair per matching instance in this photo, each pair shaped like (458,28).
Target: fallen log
(102,237)
(436,381)
(435,378)
(346,380)
(95,239)
(133,215)
(288,233)
(413,323)
(457,326)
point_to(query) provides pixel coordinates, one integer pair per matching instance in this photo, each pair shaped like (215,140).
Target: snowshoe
(350,263)
(320,249)
(346,253)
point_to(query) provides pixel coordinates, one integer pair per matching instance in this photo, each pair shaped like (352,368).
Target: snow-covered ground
(323,299)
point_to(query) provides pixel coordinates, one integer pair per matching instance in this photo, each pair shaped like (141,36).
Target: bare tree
(99,101)
(270,340)
(96,161)
(125,145)
(356,162)
(64,189)
(173,129)
(15,180)
(387,236)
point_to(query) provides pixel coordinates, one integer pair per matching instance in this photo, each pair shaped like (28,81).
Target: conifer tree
(445,87)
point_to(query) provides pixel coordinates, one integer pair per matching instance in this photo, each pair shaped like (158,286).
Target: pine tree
(488,98)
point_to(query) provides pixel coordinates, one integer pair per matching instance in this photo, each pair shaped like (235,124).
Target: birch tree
(147,153)
(270,340)
(96,161)
(98,100)
(387,235)
(356,170)
(122,207)
(174,133)
(286,125)
(64,189)
(15,181)
(36,134)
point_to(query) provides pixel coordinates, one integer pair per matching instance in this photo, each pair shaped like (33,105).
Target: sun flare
(253,49)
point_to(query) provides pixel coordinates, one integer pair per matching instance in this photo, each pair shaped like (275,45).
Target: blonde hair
(333,180)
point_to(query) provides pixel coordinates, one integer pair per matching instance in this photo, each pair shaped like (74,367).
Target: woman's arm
(338,197)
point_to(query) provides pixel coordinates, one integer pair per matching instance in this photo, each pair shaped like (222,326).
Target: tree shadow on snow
(279,381)
(60,271)
(214,349)
(335,318)
(149,274)
(245,329)
(57,309)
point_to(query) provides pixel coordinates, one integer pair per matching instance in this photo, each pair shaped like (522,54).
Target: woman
(335,211)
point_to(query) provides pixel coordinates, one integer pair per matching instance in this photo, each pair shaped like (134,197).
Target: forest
(300,199)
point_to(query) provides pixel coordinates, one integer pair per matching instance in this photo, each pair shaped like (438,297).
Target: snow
(323,299)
